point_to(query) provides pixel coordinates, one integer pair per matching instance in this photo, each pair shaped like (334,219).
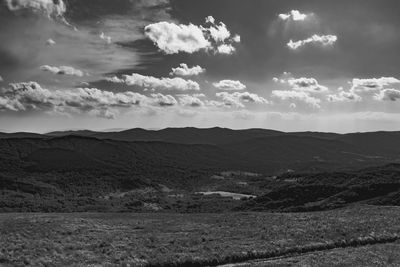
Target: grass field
(159,239)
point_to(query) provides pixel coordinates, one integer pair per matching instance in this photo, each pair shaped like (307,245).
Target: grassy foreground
(160,239)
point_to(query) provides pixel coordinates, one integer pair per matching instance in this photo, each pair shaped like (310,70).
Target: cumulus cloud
(306,84)
(226,49)
(375,88)
(50,42)
(156,83)
(388,95)
(210,19)
(51,8)
(63,70)
(236,38)
(236,99)
(343,96)
(218,32)
(283,79)
(31,96)
(173,38)
(164,100)
(184,70)
(190,100)
(294,15)
(303,89)
(106,38)
(309,85)
(325,40)
(297,95)
(372,84)
(229,85)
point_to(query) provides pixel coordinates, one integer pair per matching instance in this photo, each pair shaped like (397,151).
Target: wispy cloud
(63,70)
(296,95)
(324,40)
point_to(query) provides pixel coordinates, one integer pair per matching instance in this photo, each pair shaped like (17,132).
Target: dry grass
(123,239)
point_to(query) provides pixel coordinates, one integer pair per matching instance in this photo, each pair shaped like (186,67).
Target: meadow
(167,239)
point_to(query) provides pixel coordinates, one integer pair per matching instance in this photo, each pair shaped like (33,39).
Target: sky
(289,65)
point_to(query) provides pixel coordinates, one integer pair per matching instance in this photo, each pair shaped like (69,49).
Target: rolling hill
(328,190)
(86,164)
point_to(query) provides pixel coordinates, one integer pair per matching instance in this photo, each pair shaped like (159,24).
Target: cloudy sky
(291,65)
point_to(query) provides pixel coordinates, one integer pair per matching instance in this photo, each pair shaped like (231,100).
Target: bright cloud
(306,84)
(50,42)
(324,40)
(190,101)
(294,15)
(156,83)
(226,49)
(236,99)
(375,88)
(164,100)
(343,96)
(229,85)
(173,38)
(309,85)
(184,70)
(106,38)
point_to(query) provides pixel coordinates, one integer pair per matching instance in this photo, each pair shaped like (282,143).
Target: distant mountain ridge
(187,135)
(257,150)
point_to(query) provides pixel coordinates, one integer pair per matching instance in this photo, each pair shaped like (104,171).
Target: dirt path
(313,248)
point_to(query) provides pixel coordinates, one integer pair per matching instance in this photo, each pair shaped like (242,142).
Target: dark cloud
(28,96)
(63,70)
(89,10)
